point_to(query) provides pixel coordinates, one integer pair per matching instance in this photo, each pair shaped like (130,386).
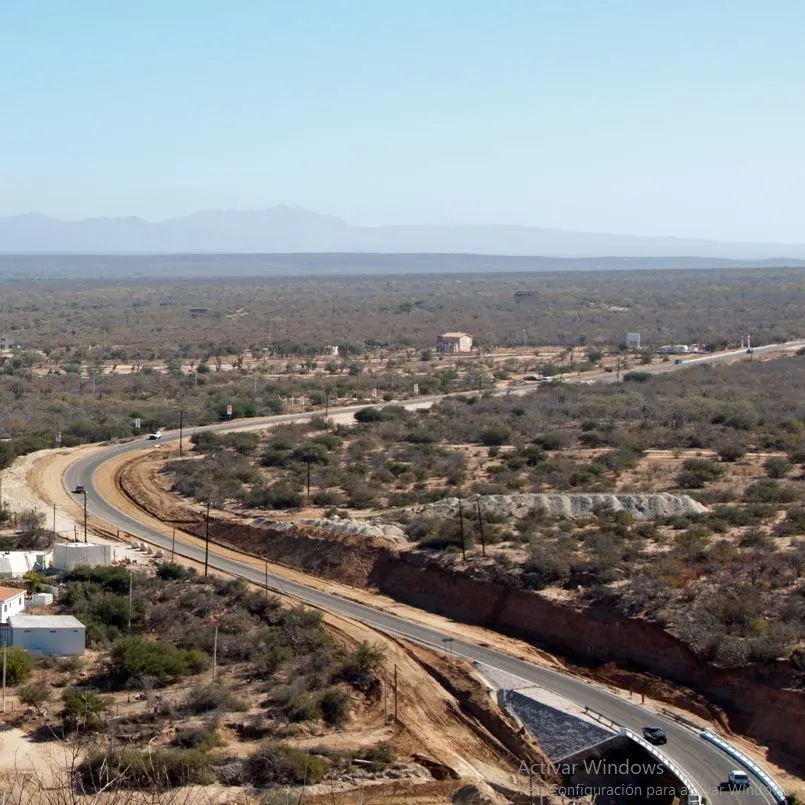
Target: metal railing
(747,762)
(693,793)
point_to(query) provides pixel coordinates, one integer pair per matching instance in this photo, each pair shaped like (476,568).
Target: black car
(655,735)
(79,490)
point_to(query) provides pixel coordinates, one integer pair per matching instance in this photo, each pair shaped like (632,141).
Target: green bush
(146,770)
(212,698)
(274,764)
(494,435)
(777,466)
(170,571)
(136,656)
(361,668)
(696,472)
(19,664)
(335,706)
(84,709)
(769,490)
(202,738)
(34,694)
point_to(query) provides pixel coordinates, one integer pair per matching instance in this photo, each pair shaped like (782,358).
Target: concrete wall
(70,555)
(60,642)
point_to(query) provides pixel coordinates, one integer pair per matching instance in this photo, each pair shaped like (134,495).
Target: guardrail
(680,719)
(747,762)
(693,793)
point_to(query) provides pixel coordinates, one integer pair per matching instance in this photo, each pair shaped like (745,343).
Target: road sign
(137,422)
(229,410)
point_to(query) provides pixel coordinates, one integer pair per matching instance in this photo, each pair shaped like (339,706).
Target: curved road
(705,764)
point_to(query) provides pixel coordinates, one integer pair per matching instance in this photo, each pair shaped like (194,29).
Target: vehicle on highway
(678,361)
(655,735)
(157,434)
(79,490)
(738,779)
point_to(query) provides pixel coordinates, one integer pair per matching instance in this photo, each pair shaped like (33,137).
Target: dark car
(678,361)
(655,735)
(79,490)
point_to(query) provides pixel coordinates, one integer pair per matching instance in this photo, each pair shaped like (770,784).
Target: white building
(450,343)
(53,635)
(15,564)
(68,555)
(12,601)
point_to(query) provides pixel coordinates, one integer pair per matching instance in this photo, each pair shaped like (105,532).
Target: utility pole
(396,719)
(173,545)
(207,540)
(1,491)
(5,651)
(308,479)
(386,698)
(461,531)
(480,525)
(54,518)
(131,586)
(85,515)
(181,432)
(215,654)
(266,579)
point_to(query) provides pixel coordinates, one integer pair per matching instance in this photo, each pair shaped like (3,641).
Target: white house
(454,342)
(15,564)
(12,601)
(53,635)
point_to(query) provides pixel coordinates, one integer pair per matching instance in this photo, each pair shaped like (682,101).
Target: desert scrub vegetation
(88,353)
(177,617)
(561,438)
(278,671)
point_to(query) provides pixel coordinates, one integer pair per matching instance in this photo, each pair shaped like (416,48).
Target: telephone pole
(207,540)
(480,525)
(461,530)
(181,432)
(131,585)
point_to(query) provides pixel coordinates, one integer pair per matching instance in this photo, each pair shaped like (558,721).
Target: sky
(647,117)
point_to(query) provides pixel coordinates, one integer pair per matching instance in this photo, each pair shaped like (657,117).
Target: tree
(84,709)
(34,694)
(777,466)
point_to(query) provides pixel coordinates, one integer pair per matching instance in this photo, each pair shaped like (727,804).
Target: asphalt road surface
(706,765)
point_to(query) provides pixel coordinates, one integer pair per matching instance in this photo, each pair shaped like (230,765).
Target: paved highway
(704,763)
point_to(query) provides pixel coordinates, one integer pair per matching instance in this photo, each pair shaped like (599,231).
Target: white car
(738,779)
(157,434)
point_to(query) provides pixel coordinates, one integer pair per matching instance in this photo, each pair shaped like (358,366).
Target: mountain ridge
(285,229)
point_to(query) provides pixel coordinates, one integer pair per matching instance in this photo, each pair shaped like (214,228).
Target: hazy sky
(682,117)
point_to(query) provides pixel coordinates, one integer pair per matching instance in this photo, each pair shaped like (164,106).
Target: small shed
(454,342)
(52,635)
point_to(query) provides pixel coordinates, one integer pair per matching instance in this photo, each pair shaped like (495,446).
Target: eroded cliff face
(760,700)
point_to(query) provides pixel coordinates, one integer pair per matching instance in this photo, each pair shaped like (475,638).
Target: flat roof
(44,622)
(6,593)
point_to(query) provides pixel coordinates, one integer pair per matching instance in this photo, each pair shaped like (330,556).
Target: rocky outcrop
(388,532)
(572,506)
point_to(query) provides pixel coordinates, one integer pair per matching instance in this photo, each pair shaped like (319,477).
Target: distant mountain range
(297,230)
